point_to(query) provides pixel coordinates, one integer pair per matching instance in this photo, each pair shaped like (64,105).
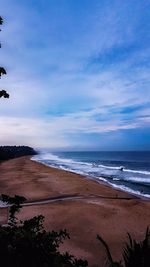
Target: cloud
(32,132)
(59,131)
(73,70)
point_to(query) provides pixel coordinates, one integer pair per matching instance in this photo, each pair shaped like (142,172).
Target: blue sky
(78,74)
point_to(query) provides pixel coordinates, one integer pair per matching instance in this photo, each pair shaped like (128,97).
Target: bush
(27,244)
(135,254)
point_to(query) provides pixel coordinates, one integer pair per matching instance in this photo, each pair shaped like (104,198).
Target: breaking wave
(131,180)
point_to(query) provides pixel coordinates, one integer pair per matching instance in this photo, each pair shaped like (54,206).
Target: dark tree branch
(2,71)
(1,21)
(4,94)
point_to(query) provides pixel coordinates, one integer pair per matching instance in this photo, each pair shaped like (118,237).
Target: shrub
(27,244)
(135,254)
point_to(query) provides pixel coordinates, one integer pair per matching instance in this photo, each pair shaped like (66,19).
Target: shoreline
(94,208)
(100,181)
(88,180)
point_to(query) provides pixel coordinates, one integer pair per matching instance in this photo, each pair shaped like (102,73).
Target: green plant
(28,244)
(15,205)
(135,254)
(109,260)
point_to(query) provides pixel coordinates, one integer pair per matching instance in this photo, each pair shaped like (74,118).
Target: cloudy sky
(78,74)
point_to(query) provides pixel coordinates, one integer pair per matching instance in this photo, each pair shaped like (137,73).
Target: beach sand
(102,210)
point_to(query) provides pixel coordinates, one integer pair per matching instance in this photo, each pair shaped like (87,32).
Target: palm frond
(137,254)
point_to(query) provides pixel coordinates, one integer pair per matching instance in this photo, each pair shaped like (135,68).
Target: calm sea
(106,166)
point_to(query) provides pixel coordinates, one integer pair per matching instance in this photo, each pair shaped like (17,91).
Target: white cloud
(45,60)
(32,132)
(57,132)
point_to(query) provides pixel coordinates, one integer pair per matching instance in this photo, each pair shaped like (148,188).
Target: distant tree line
(10,152)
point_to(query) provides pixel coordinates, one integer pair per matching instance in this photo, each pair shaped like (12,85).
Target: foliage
(2,72)
(15,206)
(4,94)
(10,152)
(135,254)
(1,21)
(27,244)
(109,260)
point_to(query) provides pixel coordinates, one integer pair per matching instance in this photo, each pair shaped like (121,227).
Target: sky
(78,74)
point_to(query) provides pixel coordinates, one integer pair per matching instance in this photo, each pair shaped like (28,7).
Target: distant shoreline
(99,180)
(89,208)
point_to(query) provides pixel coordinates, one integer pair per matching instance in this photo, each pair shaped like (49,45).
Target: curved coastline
(88,209)
(100,180)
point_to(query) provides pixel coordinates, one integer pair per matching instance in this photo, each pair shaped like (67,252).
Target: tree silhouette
(28,244)
(1,21)
(15,205)
(135,253)
(3,93)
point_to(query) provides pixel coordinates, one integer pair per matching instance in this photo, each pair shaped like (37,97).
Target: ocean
(125,170)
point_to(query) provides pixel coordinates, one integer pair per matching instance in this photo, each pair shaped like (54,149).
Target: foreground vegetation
(28,244)
(135,254)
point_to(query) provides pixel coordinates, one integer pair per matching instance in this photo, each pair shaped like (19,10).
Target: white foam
(140,172)
(76,166)
(102,179)
(57,159)
(138,180)
(94,171)
(110,167)
(52,157)
(125,170)
(129,190)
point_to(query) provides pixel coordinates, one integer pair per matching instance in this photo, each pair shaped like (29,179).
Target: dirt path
(67,198)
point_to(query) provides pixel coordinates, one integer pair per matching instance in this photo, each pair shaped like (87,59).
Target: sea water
(128,171)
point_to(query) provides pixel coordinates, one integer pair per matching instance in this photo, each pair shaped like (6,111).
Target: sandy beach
(99,209)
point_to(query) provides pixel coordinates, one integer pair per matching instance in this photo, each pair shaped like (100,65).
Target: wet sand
(99,209)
